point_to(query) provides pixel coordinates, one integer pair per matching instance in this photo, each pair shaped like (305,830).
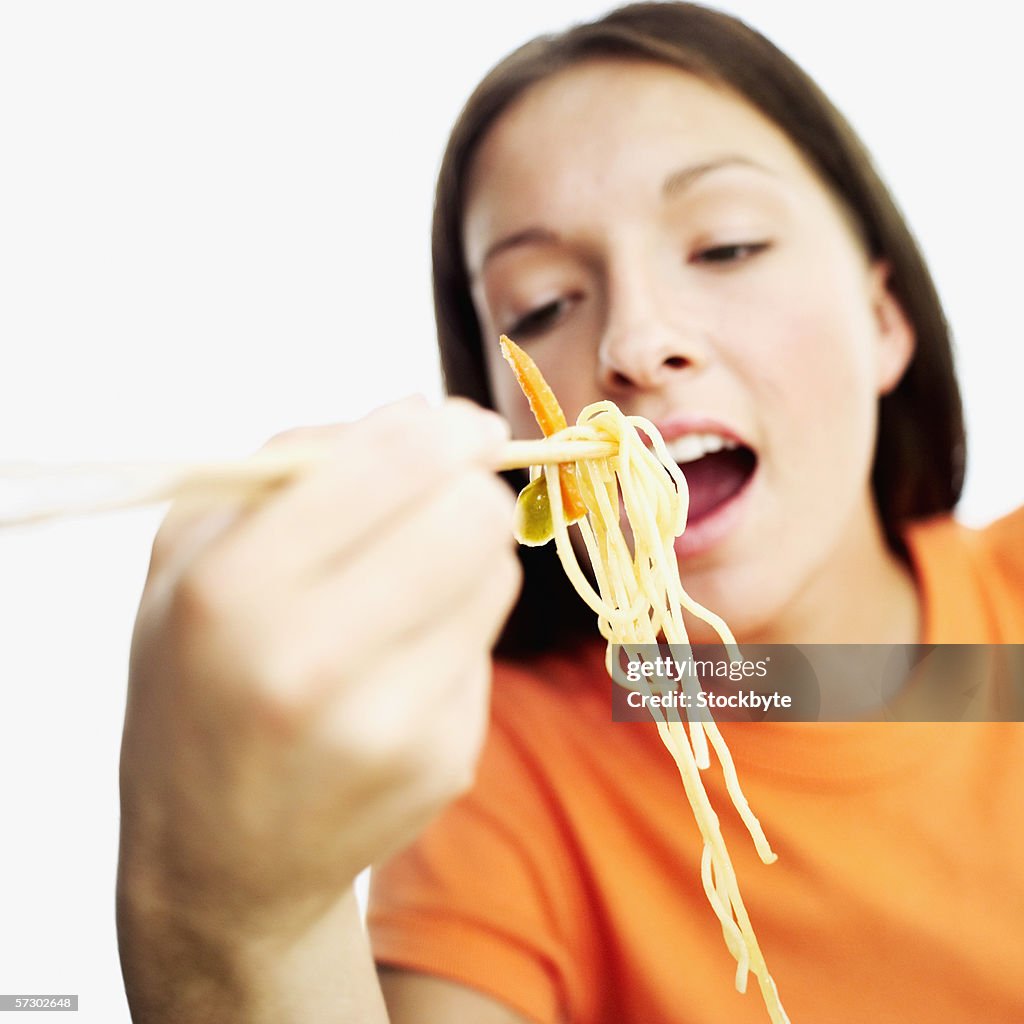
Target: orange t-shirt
(567,883)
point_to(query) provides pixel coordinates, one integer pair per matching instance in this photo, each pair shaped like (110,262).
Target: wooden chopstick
(131,484)
(523,454)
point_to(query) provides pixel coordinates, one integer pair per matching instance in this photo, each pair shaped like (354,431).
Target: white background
(214,225)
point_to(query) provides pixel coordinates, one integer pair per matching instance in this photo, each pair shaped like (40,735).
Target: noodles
(638,601)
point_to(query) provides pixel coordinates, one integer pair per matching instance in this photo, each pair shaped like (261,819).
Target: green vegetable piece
(532,525)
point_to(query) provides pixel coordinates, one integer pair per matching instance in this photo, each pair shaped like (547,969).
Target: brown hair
(919,456)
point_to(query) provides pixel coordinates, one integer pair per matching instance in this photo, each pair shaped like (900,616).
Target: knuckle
(200,595)
(302,435)
(460,404)
(295,679)
(283,707)
(421,751)
(211,598)
(171,540)
(280,697)
(375,738)
(186,533)
(163,548)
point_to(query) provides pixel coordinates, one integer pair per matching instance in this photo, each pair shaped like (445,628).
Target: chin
(745,595)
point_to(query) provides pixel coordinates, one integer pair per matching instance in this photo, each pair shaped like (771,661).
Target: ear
(896,337)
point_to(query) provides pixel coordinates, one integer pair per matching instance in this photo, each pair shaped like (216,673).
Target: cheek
(814,351)
(812,383)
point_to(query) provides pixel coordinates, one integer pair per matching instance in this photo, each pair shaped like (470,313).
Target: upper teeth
(696,446)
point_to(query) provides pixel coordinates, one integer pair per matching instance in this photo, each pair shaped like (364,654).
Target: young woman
(665,212)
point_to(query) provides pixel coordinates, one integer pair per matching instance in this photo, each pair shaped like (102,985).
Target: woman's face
(651,239)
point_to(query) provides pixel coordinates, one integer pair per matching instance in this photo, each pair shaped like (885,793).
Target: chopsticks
(97,487)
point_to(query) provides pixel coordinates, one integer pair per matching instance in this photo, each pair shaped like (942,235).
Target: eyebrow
(676,182)
(679,181)
(526,237)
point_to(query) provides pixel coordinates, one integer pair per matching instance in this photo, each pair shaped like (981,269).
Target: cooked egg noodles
(639,601)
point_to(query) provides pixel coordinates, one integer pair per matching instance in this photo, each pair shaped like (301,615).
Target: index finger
(194,523)
(381,466)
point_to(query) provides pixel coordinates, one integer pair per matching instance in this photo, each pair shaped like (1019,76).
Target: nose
(646,342)
(636,361)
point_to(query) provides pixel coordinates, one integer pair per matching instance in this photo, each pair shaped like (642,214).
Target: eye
(539,320)
(733,253)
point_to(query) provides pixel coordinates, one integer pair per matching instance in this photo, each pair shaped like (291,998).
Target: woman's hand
(309,675)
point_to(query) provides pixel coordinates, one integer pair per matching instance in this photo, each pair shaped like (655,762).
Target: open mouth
(716,468)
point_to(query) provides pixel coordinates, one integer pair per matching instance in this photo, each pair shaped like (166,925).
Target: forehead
(604,134)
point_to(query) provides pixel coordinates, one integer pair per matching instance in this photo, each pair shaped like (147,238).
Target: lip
(680,426)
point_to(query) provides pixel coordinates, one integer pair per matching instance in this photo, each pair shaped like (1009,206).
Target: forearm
(178,974)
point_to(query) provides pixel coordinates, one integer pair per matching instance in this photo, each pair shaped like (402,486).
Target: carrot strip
(543,403)
(550,418)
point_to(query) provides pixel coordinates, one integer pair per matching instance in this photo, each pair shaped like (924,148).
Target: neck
(864,593)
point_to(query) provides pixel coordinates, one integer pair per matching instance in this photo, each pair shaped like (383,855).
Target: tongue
(715,478)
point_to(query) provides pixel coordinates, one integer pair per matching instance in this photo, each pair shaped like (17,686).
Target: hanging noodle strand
(639,600)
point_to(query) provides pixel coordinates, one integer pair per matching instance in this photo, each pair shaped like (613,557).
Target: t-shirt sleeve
(1003,567)
(479,898)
